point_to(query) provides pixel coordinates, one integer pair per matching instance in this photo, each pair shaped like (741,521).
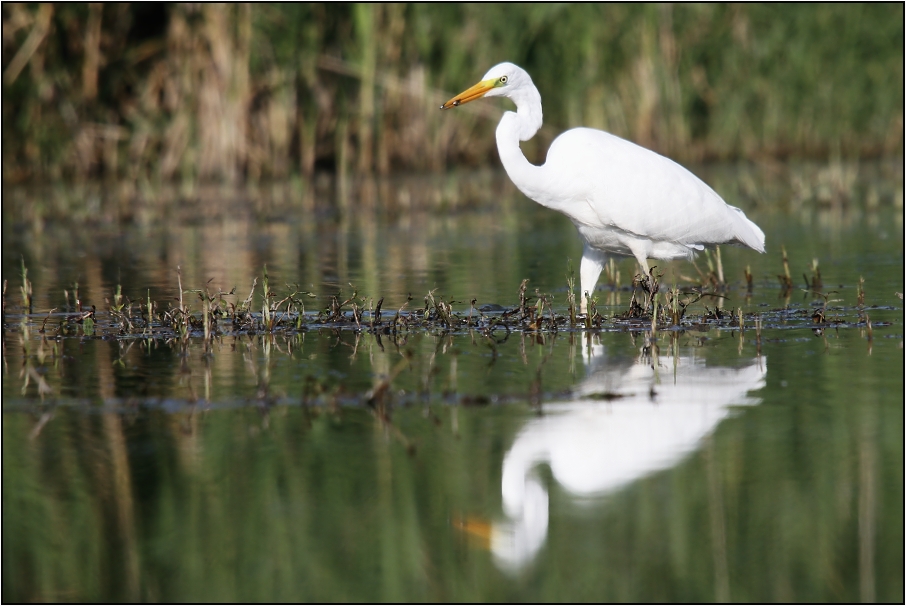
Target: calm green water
(716,466)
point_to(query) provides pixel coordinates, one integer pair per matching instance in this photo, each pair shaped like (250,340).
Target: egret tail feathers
(748,233)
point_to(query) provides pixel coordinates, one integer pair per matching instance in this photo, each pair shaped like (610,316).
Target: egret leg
(589,269)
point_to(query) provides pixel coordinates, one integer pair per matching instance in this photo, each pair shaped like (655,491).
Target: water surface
(326,464)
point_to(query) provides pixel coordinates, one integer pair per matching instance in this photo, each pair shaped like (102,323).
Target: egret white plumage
(623,199)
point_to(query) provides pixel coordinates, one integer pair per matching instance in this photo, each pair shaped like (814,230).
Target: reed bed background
(239,93)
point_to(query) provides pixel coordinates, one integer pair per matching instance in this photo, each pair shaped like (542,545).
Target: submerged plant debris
(201,313)
(201,318)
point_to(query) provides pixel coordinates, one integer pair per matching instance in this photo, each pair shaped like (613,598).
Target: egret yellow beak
(476,92)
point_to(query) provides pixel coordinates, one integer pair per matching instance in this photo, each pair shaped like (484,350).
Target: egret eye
(503,79)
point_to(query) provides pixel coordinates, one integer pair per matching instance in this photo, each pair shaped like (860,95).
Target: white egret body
(623,199)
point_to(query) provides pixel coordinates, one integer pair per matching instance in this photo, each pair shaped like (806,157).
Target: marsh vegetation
(143,92)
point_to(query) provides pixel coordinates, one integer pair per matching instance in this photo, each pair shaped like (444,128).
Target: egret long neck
(521,126)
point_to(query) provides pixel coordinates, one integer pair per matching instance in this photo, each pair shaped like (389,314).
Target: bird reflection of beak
(476,92)
(476,529)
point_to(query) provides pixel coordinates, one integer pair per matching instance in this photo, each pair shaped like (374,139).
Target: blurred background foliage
(245,92)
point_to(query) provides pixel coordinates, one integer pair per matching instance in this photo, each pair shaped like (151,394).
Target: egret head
(502,80)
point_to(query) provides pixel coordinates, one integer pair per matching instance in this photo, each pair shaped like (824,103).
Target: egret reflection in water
(628,419)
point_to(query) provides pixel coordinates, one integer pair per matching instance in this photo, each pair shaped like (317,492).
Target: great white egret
(624,199)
